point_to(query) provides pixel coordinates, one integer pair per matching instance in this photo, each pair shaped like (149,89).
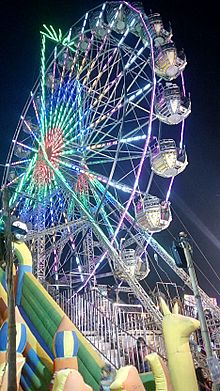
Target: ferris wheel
(100,135)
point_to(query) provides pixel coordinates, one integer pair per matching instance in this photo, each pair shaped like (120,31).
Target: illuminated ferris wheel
(100,136)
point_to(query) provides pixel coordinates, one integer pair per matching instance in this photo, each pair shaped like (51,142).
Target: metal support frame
(40,244)
(184,243)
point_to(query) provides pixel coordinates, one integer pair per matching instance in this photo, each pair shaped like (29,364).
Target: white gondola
(142,268)
(97,25)
(50,81)
(153,214)
(37,102)
(64,58)
(27,125)
(168,64)
(81,42)
(167,160)
(12,175)
(135,265)
(117,19)
(84,44)
(21,152)
(158,33)
(136,25)
(171,107)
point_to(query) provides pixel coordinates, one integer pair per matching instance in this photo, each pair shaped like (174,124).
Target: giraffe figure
(160,372)
(177,330)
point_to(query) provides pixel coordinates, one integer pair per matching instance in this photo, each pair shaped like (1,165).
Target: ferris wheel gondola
(167,160)
(159,34)
(153,214)
(171,107)
(136,265)
(168,62)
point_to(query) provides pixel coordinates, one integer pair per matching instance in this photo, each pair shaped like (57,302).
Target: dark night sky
(195,27)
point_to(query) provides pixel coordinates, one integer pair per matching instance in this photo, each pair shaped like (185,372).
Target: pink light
(183,122)
(182,134)
(183,84)
(169,189)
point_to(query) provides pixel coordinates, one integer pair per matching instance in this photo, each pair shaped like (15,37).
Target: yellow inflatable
(69,380)
(177,330)
(127,379)
(160,372)
(20,360)
(65,349)
(21,340)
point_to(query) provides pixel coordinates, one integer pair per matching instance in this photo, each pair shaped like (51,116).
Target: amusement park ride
(92,165)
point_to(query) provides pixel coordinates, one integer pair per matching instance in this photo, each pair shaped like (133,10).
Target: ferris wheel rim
(26,108)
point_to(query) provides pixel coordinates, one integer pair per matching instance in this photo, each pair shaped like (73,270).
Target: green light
(23,180)
(58,37)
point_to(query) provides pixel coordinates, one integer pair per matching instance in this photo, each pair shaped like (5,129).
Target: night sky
(196,192)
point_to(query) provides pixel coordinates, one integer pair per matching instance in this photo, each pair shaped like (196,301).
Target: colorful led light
(78,120)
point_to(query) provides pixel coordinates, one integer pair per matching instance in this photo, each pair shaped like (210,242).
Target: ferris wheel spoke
(15,179)
(61,82)
(99,67)
(71,86)
(123,155)
(130,138)
(112,111)
(36,109)
(120,159)
(133,81)
(63,73)
(85,57)
(113,212)
(92,174)
(138,80)
(98,156)
(20,163)
(64,110)
(23,179)
(121,73)
(86,80)
(104,216)
(118,107)
(105,68)
(99,113)
(77,51)
(73,116)
(95,120)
